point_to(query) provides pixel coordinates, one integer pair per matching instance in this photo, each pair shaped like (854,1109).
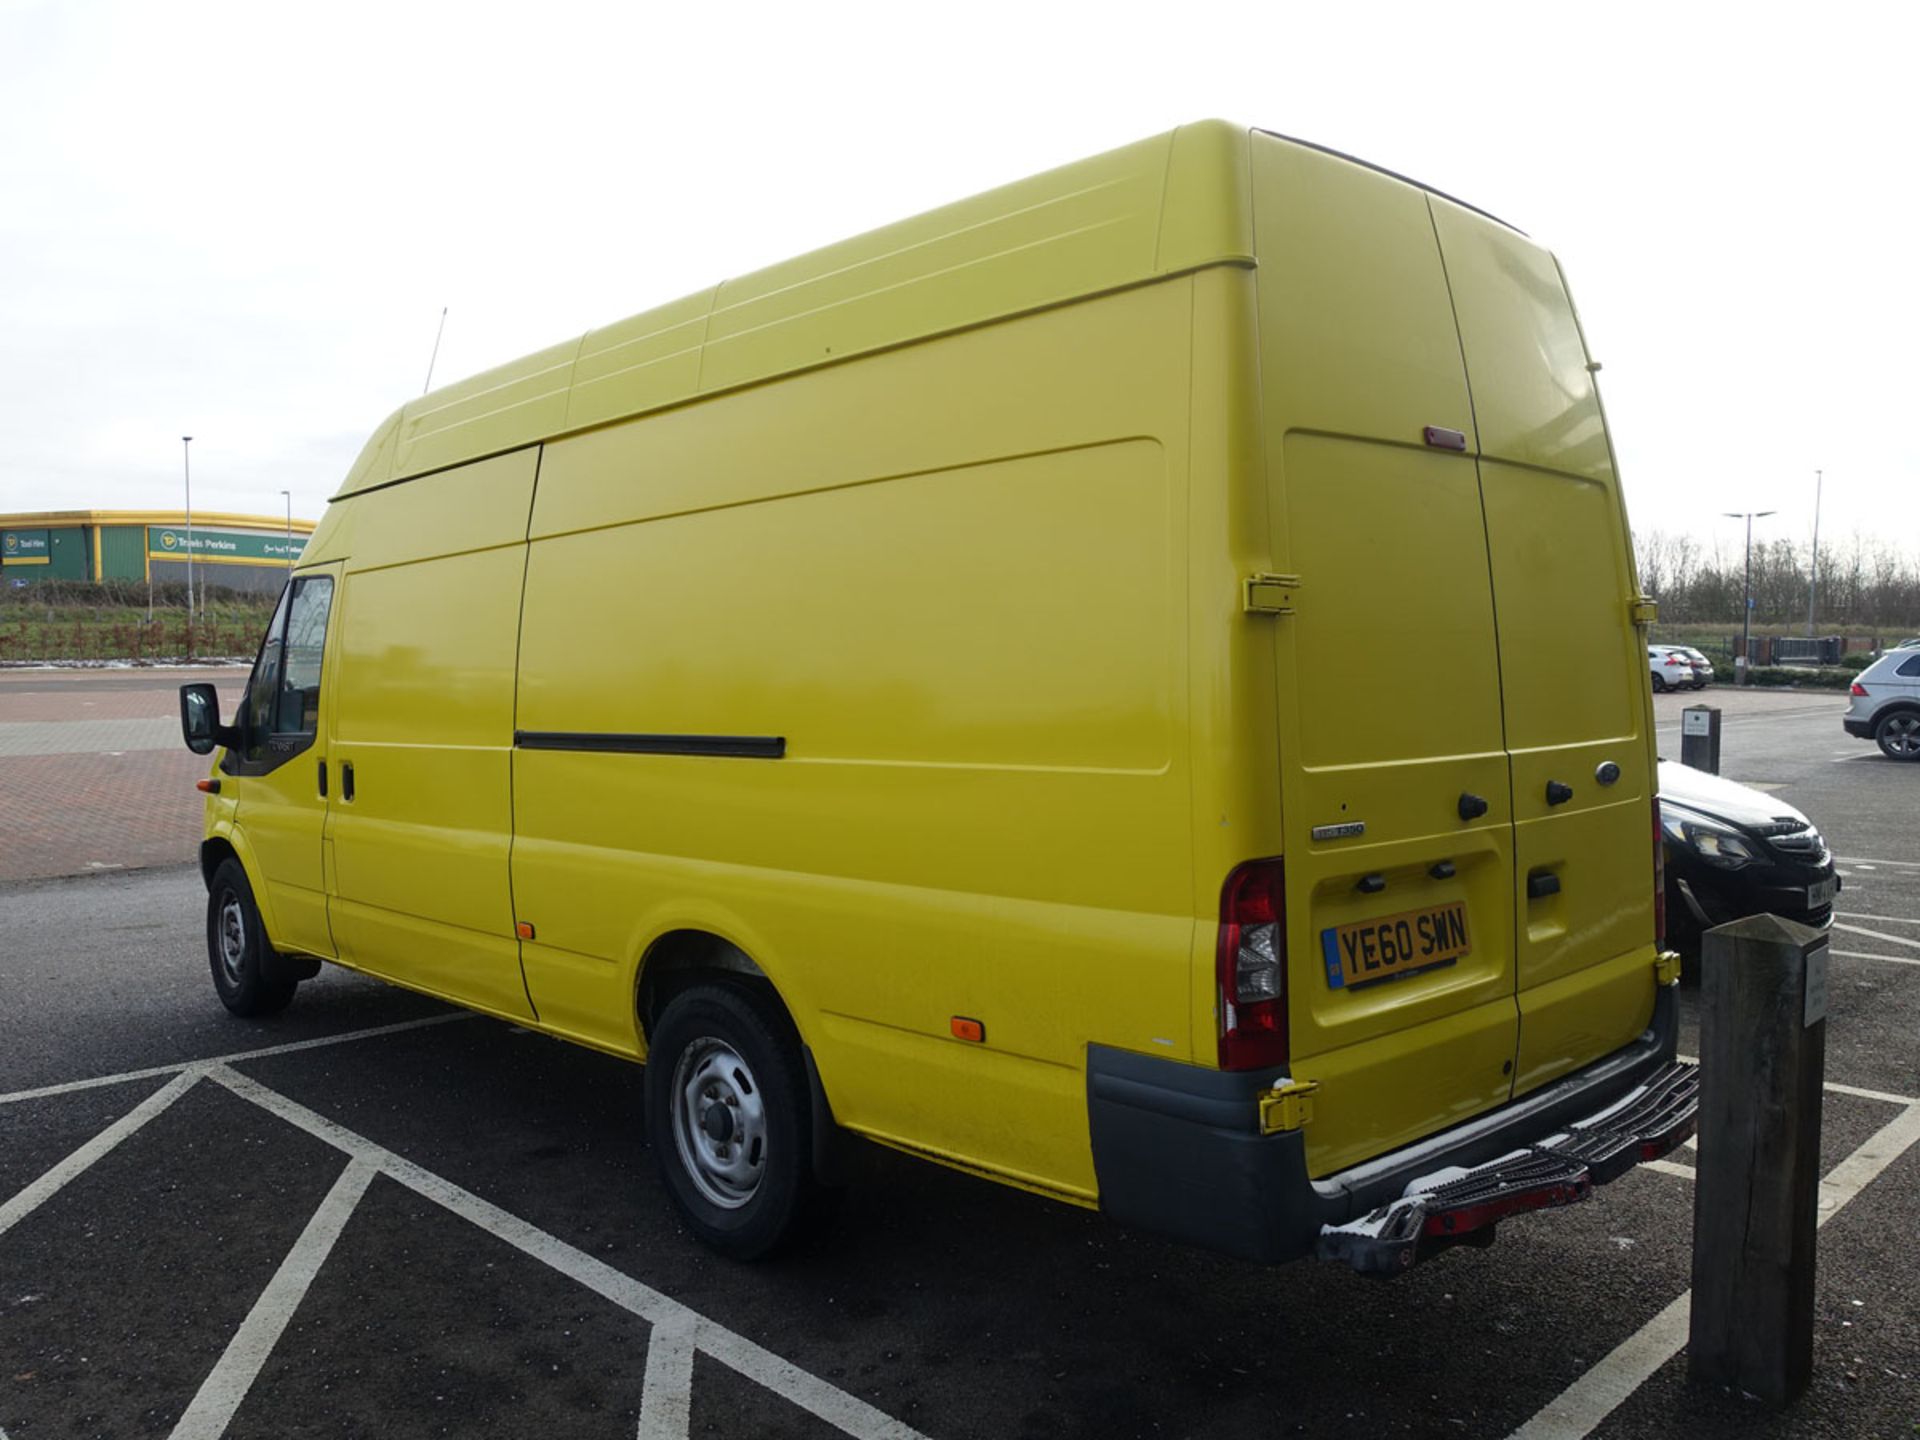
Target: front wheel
(729,1120)
(1899,736)
(248,973)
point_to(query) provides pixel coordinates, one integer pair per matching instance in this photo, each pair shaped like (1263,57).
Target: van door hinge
(1270,594)
(1644,610)
(1287,1106)
(1666,968)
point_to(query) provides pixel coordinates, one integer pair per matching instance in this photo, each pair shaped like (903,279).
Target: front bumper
(1177,1149)
(1708,896)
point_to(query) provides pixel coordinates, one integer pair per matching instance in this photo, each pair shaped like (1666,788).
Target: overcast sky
(241,222)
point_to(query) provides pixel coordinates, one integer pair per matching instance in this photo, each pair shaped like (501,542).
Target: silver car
(1886,704)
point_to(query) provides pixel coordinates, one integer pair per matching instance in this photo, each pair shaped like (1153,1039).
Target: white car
(1886,704)
(1671,668)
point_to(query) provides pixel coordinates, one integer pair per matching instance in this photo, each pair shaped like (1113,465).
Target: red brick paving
(70,814)
(67,814)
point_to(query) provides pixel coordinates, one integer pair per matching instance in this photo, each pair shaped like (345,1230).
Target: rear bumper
(1177,1149)
(1859,729)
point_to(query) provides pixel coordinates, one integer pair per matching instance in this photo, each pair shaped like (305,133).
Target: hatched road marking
(677,1332)
(220,1394)
(56,1179)
(845,1412)
(318,1042)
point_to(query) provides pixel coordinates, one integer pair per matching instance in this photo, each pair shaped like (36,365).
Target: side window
(264,684)
(282,706)
(297,706)
(1909,667)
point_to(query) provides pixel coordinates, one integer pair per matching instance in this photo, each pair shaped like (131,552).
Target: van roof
(1175,203)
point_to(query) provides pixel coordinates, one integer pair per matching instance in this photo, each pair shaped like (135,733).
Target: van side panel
(951,582)
(424,715)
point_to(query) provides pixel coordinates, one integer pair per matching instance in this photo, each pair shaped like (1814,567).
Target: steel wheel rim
(719,1123)
(1903,735)
(233,937)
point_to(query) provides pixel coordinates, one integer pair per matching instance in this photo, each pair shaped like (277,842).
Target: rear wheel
(1659,684)
(730,1121)
(250,976)
(1899,736)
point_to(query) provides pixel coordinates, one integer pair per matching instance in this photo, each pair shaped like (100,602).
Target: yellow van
(1129,685)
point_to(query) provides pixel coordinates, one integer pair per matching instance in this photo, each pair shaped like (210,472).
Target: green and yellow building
(241,552)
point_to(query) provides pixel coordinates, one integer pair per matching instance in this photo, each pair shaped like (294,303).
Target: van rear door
(1394,765)
(1570,654)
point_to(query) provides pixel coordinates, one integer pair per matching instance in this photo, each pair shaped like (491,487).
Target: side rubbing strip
(748,747)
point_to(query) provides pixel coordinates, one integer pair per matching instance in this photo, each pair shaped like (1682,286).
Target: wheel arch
(689,955)
(228,843)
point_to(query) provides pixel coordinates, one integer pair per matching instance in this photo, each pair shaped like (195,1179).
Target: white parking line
(1836,1088)
(1858,1170)
(1669,1167)
(1576,1411)
(196,1066)
(848,1413)
(1876,934)
(1884,919)
(1863,955)
(666,1399)
(1881,1095)
(220,1394)
(1864,860)
(50,1184)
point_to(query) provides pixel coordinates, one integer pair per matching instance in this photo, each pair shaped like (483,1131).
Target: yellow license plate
(1394,945)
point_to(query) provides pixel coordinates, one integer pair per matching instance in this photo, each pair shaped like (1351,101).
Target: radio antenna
(434,358)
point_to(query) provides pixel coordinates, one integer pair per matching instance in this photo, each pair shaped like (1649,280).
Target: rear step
(1460,1207)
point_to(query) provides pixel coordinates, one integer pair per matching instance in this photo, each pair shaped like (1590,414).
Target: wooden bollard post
(1763,1043)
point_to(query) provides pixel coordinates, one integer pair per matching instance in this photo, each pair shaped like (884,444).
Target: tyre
(1898,735)
(1659,684)
(730,1121)
(251,977)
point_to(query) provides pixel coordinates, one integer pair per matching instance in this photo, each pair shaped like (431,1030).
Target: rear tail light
(1659,879)
(1251,967)
(1856,689)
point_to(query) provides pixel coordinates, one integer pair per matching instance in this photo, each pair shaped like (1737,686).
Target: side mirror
(200,723)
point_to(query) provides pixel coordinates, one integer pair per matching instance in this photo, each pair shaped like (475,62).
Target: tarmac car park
(167,1244)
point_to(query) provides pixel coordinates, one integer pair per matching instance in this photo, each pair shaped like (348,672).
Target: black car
(1734,851)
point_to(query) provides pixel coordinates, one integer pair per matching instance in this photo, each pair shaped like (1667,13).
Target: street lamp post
(186,470)
(287,495)
(1813,583)
(1746,615)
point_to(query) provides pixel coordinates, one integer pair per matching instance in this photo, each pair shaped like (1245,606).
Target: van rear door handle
(1542,883)
(346,779)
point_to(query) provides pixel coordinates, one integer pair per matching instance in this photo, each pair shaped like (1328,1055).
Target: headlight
(1713,842)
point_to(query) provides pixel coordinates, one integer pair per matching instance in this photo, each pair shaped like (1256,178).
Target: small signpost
(1763,1045)
(1700,738)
